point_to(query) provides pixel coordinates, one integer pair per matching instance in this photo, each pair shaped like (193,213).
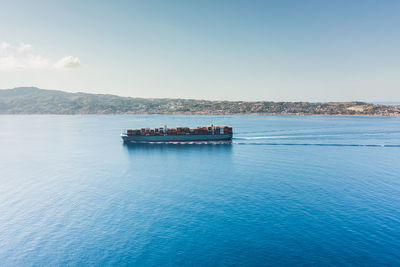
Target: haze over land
(32,100)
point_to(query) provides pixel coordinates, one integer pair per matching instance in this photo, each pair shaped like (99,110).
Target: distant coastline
(32,100)
(387,103)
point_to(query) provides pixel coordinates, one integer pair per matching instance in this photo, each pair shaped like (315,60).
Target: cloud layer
(22,57)
(68,62)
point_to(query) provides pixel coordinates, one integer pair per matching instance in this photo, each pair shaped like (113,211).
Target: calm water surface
(287,191)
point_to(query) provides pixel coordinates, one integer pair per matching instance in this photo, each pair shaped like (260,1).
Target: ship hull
(176,138)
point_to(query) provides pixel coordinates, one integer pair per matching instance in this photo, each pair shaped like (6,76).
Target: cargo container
(179,134)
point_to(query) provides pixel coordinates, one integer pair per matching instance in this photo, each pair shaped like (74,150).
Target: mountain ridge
(33,100)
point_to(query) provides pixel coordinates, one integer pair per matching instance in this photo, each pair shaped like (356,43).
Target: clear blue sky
(248,50)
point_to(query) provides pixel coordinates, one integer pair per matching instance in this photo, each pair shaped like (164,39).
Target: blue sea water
(289,190)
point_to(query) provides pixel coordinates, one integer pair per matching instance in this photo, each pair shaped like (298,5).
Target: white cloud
(12,62)
(68,62)
(24,47)
(3,47)
(22,57)
(36,62)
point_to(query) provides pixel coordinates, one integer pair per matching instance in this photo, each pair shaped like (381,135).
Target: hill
(32,100)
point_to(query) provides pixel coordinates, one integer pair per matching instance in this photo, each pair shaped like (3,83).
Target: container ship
(179,134)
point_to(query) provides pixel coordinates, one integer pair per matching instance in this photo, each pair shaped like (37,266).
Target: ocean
(288,190)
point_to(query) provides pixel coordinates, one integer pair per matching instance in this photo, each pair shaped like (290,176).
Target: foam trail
(317,144)
(286,136)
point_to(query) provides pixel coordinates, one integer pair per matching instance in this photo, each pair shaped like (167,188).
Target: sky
(299,50)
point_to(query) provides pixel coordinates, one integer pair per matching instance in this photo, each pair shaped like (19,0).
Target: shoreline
(194,114)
